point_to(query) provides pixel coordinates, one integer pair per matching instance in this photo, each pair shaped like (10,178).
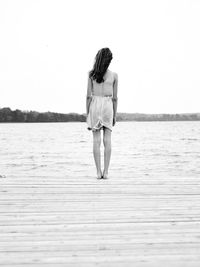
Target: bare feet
(105,175)
(99,175)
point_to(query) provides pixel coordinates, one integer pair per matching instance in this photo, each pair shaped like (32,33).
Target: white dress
(101,105)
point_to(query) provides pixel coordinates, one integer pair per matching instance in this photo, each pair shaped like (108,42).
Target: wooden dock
(82,221)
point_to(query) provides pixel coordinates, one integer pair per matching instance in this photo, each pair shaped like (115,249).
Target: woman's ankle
(105,171)
(99,174)
(105,174)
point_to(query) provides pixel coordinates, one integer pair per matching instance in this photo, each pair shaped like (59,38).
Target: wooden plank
(108,242)
(104,197)
(125,263)
(117,263)
(106,257)
(137,190)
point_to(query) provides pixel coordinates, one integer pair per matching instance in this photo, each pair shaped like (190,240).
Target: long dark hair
(102,61)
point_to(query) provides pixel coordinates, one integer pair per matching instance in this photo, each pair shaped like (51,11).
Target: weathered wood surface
(82,221)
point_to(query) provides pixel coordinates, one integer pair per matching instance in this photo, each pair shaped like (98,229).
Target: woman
(101,107)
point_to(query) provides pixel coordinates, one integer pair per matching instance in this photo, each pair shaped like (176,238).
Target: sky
(47,48)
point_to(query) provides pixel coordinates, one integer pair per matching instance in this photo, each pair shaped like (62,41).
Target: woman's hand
(114,120)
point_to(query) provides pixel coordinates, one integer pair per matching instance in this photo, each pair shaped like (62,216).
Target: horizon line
(119,112)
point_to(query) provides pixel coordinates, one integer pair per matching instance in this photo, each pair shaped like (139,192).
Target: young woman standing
(101,107)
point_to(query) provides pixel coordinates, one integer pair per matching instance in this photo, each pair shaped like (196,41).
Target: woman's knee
(107,141)
(97,142)
(97,139)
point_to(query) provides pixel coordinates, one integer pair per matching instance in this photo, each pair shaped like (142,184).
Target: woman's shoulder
(115,75)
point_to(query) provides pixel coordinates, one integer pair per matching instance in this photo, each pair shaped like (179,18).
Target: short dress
(101,106)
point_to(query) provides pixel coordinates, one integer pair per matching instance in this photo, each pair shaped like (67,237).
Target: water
(139,149)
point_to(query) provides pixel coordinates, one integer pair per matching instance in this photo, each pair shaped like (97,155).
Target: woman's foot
(99,175)
(105,175)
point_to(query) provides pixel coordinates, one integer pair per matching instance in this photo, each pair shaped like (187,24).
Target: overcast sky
(48,46)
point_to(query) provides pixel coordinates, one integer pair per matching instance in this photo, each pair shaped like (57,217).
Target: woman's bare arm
(89,95)
(115,98)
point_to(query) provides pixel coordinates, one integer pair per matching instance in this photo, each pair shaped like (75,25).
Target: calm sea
(139,149)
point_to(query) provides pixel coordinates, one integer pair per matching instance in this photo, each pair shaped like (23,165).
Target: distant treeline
(158,117)
(8,115)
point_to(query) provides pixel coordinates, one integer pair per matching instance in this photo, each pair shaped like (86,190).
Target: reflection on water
(138,149)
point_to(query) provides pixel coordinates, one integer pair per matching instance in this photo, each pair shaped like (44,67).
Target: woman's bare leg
(107,150)
(97,152)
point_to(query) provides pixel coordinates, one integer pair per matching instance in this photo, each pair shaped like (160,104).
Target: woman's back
(105,88)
